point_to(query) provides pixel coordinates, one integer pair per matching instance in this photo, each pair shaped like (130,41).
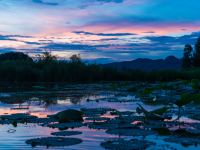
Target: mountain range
(145,64)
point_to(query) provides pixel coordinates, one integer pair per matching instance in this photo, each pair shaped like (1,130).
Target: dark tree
(187,56)
(47,57)
(197,54)
(75,58)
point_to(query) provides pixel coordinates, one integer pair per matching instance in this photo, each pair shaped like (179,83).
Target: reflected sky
(91,138)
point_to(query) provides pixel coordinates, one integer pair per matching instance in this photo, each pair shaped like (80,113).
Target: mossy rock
(69,115)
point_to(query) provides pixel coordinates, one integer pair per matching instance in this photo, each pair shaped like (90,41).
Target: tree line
(17,67)
(191,56)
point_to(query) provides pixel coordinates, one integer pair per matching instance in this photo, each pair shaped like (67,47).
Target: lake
(42,103)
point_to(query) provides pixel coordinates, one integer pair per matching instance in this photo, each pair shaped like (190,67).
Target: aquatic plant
(184,100)
(160,111)
(132,89)
(151,115)
(195,83)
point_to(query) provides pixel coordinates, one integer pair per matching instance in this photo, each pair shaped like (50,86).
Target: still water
(42,104)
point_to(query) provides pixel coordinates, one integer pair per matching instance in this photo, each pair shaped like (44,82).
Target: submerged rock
(101,125)
(185,141)
(63,126)
(125,119)
(195,116)
(14,119)
(118,100)
(186,137)
(130,132)
(69,115)
(163,131)
(43,121)
(97,119)
(115,123)
(95,111)
(121,144)
(109,125)
(17,117)
(66,133)
(53,141)
(123,113)
(193,133)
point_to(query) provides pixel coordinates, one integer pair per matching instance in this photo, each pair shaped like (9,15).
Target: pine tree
(187,56)
(197,54)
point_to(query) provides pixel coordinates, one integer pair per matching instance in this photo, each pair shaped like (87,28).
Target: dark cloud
(87,3)
(156,45)
(12,37)
(173,41)
(104,34)
(32,43)
(106,39)
(67,46)
(108,1)
(127,20)
(4,50)
(20,36)
(109,48)
(149,32)
(7,37)
(45,3)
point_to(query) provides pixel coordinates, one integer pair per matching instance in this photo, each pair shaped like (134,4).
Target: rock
(53,141)
(121,144)
(69,115)
(66,133)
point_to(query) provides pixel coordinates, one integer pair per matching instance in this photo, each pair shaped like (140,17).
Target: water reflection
(45,103)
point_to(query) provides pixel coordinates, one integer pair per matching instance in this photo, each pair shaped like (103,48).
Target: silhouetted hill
(170,62)
(15,56)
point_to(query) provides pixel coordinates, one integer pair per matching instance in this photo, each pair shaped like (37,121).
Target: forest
(17,67)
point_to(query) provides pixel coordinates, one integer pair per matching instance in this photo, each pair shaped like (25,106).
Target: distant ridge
(145,64)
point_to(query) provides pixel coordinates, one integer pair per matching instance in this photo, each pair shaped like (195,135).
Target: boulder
(69,115)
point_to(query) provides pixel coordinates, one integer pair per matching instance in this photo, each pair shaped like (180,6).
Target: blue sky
(99,30)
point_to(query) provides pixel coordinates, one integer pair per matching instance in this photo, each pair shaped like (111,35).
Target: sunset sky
(99,30)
